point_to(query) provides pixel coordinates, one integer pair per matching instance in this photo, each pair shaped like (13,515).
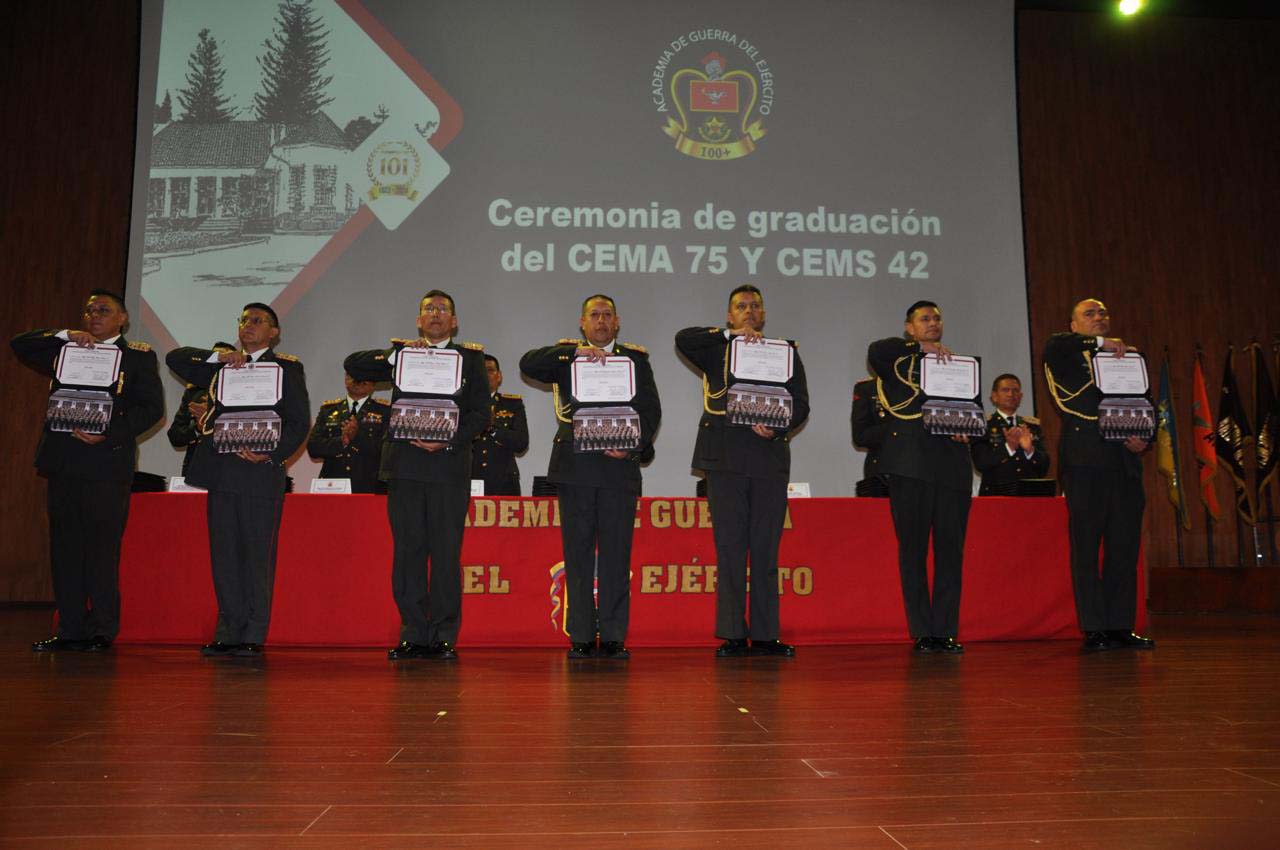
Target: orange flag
(1202,438)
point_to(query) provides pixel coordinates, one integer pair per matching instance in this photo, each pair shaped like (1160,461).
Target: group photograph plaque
(1123,412)
(429,371)
(758,404)
(950,387)
(603,429)
(84,410)
(250,385)
(80,366)
(432,420)
(246,430)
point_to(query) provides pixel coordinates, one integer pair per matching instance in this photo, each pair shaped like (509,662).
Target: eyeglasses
(253,320)
(100,310)
(436,308)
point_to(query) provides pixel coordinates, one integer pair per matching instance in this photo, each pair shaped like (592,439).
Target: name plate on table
(610,380)
(951,387)
(88,367)
(432,420)
(251,385)
(769,360)
(331,485)
(603,429)
(758,404)
(1124,376)
(246,430)
(432,371)
(178,484)
(85,410)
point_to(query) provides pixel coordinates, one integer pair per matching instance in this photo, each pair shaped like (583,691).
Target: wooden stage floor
(1011,745)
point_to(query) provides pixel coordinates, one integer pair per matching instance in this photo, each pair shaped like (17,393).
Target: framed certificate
(432,371)
(88,367)
(957,378)
(1125,375)
(769,360)
(612,380)
(252,385)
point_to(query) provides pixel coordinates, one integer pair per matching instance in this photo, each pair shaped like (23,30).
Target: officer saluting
(493,459)
(347,436)
(1011,451)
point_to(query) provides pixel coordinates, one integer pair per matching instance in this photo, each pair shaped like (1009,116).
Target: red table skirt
(838,576)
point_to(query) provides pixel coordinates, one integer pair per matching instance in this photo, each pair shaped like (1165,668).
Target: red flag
(1203,436)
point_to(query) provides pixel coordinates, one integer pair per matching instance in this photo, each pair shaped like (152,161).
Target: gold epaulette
(395,340)
(633,347)
(139,346)
(512,396)
(1031,420)
(333,401)
(471,346)
(715,330)
(570,342)
(288,358)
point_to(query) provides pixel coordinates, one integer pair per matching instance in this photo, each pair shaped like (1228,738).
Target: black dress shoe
(733,648)
(97,644)
(614,649)
(1096,642)
(218,648)
(408,649)
(948,645)
(57,644)
(582,650)
(772,647)
(1129,640)
(443,650)
(924,646)
(248,650)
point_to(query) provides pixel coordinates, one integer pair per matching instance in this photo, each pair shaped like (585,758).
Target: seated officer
(867,422)
(348,434)
(493,457)
(1012,449)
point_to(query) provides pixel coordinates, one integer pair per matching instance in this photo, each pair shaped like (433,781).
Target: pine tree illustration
(293,89)
(202,101)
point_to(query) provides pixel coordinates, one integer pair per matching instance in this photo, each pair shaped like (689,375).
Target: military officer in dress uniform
(1012,449)
(747,469)
(90,475)
(246,488)
(930,483)
(493,458)
(867,422)
(348,434)
(1102,482)
(597,490)
(184,430)
(428,489)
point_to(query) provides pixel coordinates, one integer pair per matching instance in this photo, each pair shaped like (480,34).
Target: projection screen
(339,158)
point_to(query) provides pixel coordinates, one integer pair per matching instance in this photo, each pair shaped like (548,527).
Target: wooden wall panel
(1149,179)
(67,93)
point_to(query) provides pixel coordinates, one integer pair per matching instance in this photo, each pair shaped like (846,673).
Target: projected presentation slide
(339,158)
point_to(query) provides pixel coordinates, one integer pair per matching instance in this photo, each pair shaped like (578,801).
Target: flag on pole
(1233,437)
(1167,460)
(1266,413)
(1202,435)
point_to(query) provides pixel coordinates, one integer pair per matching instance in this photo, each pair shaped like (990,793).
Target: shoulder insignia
(395,340)
(632,346)
(334,401)
(288,358)
(139,346)
(471,346)
(378,401)
(569,342)
(1031,420)
(512,396)
(715,330)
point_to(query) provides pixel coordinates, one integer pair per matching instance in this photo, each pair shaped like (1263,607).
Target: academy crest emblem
(718,108)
